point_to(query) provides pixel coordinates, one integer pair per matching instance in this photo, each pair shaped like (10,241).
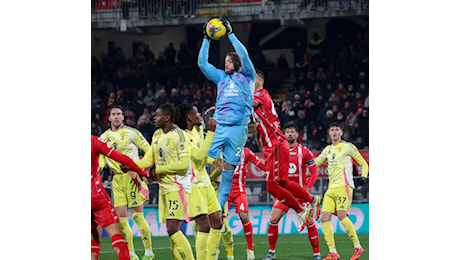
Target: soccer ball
(215,29)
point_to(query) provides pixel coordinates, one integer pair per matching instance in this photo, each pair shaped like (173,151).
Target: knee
(173,228)
(244,217)
(202,222)
(216,220)
(325,217)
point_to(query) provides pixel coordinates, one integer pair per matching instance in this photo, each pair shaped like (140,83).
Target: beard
(291,141)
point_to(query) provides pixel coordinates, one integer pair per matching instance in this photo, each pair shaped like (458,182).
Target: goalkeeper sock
(329,235)
(225,187)
(272,234)
(127,233)
(119,244)
(227,238)
(144,229)
(314,238)
(351,232)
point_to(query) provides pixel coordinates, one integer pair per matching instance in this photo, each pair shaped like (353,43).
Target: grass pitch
(288,247)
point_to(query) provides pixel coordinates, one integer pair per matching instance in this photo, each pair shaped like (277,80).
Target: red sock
(247,227)
(272,235)
(284,195)
(314,238)
(95,247)
(297,190)
(119,242)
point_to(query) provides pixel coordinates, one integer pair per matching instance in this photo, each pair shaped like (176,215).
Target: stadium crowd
(328,82)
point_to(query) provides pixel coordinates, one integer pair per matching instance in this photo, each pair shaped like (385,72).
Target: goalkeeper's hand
(204,31)
(361,181)
(228,26)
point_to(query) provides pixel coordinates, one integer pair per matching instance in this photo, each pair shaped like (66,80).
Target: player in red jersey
(276,152)
(239,198)
(102,210)
(300,158)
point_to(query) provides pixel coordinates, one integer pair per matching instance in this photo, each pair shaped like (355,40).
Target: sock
(227,238)
(272,234)
(351,232)
(297,190)
(181,246)
(144,230)
(329,235)
(213,243)
(284,195)
(127,233)
(314,238)
(225,187)
(200,245)
(247,228)
(119,242)
(95,248)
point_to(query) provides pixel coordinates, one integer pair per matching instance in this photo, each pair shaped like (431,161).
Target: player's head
(335,131)
(116,116)
(259,79)
(187,114)
(232,63)
(292,133)
(165,116)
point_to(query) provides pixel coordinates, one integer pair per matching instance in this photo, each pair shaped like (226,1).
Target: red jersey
(241,171)
(99,147)
(266,118)
(300,157)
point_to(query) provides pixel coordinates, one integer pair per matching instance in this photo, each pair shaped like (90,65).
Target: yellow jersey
(127,140)
(340,164)
(199,147)
(170,152)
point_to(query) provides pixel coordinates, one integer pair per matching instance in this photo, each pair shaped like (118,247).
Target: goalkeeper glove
(228,26)
(206,36)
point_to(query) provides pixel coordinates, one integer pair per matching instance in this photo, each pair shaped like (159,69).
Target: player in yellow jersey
(130,192)
(338,196)
(170,152)
(203,206)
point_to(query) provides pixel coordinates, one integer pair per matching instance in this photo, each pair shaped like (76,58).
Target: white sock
(333,251)
(358,246)
(132,253)
(273,251)
(148,252)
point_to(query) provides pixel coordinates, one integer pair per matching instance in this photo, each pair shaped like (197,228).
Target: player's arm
(148,160)
(321,158)
(360,160)
(119,157)
(247,67)
(211,72)
(200,153)
(217,171)
(256,160)
(182,165)
(140,141)
(311,167)
(257,99)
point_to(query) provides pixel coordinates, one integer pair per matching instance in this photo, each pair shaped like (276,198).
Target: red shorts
(240,201)
(102,212)
(279,205)
(277,162)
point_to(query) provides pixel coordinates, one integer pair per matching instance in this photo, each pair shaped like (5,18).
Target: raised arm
(247,67)
(211,72)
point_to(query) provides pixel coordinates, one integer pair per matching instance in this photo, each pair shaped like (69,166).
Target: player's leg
(118,242)
(179,243)
(95,239)
(278,212)
(344,202)
(242,208)
(120,197)
(313,237)
(215,220)
(202,234)
(329,208)
(227,237)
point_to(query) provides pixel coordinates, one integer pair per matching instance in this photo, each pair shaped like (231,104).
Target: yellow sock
(144,229)
(329,234)
(213,243)
(181,246)
(200,245)
(227,238)
(127,232)
(350,229)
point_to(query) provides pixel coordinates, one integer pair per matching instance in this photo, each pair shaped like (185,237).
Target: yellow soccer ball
(215,29)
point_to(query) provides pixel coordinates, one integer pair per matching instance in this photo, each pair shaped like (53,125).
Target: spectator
(170,54)
(108,185)
(174,97)
(162,98)
(360,144)
(283,67)
(148,98)
(95,129)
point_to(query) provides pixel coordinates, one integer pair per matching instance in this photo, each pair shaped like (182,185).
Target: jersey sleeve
(201,152)
(248,69)
(310,159)
(355,154)
(258,97)
(183,164)
(148,160)
(256,160)
(321,158)
(211,72)
(140,141)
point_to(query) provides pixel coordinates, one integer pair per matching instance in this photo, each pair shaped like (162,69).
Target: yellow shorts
(125,191)
(172,205)
(202,201)
(337,199)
